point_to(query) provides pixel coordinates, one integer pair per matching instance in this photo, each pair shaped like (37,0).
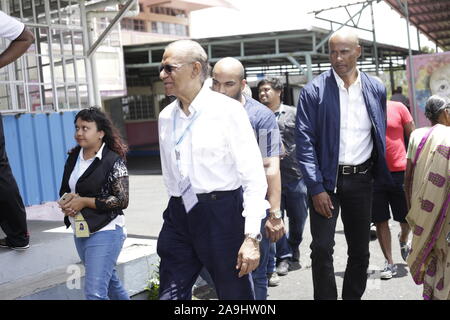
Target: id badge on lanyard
(187,192)
(81,227)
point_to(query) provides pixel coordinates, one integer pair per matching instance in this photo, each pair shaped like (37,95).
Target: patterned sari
(429,216)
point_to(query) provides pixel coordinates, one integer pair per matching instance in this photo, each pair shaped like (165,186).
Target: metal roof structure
(189,4)
(294,52)
(431,17)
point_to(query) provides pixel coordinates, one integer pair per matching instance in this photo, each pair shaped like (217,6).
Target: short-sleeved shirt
(265,126)
(10,28)
(397,116)
(414,141)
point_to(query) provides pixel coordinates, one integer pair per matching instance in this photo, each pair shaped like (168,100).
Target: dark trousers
(13,220)
(210,235)
(295,201)
(354,198)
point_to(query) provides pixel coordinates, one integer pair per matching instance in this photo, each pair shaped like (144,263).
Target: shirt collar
(341,83)
(98,155)
(196,104)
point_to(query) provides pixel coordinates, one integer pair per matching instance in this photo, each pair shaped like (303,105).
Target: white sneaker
(389,271)
(274,279)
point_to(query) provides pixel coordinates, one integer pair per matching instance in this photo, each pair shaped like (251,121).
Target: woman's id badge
(81,227)
(187,193)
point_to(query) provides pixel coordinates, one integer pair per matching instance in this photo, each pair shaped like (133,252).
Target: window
(170,28)
(139,107)
(169,11)
(51,75)
(133,24)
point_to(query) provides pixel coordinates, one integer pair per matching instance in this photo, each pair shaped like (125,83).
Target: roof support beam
(113,23)
(324,40)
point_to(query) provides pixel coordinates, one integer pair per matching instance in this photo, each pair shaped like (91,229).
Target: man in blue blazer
(340,135)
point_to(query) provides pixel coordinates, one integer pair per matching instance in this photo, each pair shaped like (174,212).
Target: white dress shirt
(219,152)
(80,167)
(355,146)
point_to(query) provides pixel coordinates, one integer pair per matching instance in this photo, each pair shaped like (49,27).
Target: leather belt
(359,169)
(215,195)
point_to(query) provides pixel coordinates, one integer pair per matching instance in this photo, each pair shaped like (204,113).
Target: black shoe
(283,267)
(4,244)
(294,265)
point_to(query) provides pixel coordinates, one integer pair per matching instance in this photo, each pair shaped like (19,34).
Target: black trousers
(353,198)
(13,219)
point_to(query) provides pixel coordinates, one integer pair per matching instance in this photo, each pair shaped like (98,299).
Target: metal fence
(51,76)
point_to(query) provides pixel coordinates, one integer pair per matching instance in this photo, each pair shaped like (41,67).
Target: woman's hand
(74,206)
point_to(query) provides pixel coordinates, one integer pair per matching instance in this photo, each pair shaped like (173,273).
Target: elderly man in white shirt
(213,170)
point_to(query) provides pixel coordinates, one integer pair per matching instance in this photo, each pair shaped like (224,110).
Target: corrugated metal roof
(431,17)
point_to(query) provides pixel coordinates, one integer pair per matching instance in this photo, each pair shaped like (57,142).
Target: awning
(431,17)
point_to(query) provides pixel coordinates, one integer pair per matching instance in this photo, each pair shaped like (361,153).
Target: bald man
(340,134)
(228,79)
(214,174)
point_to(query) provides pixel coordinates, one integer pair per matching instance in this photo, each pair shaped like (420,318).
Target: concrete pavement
(144,217)
(148,199)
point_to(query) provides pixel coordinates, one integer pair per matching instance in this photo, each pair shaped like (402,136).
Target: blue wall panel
(28,159)
(37,146)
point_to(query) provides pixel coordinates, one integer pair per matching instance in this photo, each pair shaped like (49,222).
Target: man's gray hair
(193,52)
(434,106)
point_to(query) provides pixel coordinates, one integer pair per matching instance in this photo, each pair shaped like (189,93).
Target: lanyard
(177,142)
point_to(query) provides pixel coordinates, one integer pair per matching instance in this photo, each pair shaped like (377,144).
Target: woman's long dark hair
(112,137)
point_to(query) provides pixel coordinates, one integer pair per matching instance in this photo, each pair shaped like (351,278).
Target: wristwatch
(276,214)
(254,236)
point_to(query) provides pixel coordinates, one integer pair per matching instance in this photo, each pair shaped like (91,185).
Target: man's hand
(274,229)
(248,256)
(323,205)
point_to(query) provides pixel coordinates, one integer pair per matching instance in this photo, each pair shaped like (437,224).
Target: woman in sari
(427,187)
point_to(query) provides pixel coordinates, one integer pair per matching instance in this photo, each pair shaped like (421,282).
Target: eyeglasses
(168,68)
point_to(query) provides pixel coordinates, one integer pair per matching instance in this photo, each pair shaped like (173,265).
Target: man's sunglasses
(168,68)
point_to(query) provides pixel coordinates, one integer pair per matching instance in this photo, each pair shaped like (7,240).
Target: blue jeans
(294,201)
(259,275)
(99,255)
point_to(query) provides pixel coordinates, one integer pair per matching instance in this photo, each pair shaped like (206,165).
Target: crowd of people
(234,167)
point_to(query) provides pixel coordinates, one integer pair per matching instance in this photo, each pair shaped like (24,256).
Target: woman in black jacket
(94,191)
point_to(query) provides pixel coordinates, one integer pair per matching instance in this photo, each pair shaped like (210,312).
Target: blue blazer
(318,130)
